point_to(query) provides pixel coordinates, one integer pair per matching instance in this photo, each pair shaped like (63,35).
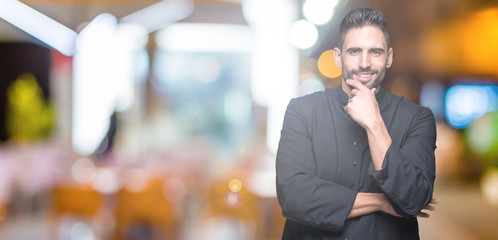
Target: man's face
(364,56)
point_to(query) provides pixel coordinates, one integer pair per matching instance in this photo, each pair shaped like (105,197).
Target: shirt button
(355,164)
(355,143)
(381,181)
(351,184)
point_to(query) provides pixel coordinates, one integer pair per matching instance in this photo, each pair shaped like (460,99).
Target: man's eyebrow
(353,49)
(377,49)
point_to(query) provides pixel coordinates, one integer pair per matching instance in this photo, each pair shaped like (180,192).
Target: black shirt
(323,161)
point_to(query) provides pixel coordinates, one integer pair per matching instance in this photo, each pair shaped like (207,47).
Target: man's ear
(338,57)
(389,58)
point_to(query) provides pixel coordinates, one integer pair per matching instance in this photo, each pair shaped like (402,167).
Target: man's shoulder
(406,106)
(308,101)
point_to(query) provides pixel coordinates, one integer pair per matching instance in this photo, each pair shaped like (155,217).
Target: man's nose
(364,60)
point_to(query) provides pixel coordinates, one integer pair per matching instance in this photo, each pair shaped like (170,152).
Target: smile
(363,77)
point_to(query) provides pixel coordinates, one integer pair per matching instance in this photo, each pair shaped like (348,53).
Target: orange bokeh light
(327,66)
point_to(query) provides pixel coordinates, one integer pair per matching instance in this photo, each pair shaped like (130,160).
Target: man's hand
(364,110)
(387,208)
(428,207)
(362,106)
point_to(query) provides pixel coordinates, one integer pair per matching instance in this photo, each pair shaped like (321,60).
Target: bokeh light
(106,181)
(235,185)
(134,180)
(83,170)
(232,199)
(327,66)
(465,103)
(489,186)
(482,137)
(81,231)
(303,34)
(319,11)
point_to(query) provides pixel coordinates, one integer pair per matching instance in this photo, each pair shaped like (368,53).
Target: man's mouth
(364,77)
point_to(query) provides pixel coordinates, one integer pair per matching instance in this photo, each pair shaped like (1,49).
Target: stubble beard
(370,85)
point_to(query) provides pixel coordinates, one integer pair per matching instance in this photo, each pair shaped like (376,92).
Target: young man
(354,161)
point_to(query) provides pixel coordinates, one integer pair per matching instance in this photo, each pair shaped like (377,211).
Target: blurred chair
(73,202)
(144,214)
(230,214)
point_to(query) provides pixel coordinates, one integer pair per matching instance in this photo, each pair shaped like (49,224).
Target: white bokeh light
(303,34)
(319,11)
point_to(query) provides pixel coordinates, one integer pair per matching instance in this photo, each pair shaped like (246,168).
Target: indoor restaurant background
(148,119)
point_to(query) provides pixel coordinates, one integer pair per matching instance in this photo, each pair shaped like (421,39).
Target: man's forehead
(365,36)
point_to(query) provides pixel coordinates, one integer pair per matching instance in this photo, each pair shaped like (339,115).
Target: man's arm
(404,172)
(366,203)
(364,110)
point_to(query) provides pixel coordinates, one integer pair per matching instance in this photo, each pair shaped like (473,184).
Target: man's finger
(356,84)
(434,201)
(430,208)
(423,215)
(354,92)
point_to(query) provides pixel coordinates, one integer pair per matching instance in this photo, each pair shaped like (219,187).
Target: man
(354,161)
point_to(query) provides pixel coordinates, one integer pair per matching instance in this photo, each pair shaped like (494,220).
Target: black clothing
(323,161)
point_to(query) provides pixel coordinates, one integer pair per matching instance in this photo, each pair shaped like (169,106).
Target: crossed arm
(366,203)
(364,110)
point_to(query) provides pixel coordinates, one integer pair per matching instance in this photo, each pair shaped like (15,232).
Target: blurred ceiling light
(94,88)
(303,34)
(319,11)
(128,40)
(160,14)
(268,14)
(205,37)
(39,26)
(275,62)
(131,36)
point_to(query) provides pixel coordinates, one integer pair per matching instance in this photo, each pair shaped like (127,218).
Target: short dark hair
(361,17)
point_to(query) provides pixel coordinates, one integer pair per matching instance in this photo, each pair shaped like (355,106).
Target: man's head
(364,50)
(361,17)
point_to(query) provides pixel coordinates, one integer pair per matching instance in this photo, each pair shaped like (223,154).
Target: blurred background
(147,119)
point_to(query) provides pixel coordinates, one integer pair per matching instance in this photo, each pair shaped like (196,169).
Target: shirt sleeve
(304,197)
(408,171)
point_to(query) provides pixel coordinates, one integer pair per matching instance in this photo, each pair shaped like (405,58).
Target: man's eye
(376,52)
